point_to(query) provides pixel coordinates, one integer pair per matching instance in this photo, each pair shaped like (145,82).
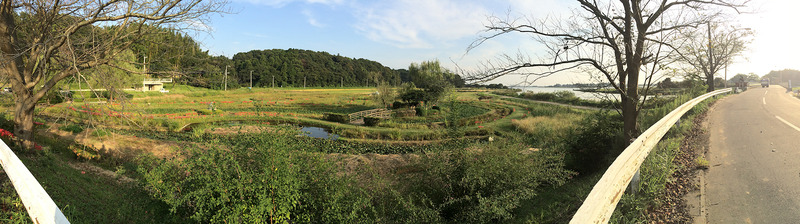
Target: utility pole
(251,79)
(226,78)
(144,64)
(341,84)
(726,75)
(304,82)
(273,81)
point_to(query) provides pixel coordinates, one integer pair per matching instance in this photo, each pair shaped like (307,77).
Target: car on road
(764,82)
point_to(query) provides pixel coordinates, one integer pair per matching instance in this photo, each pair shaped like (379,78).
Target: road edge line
(787,123)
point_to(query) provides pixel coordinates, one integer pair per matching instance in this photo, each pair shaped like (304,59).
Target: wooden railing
(602,200)
(380,112)
(37,202)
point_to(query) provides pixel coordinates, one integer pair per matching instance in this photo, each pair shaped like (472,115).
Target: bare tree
(44,42)
(711,51)
(626,42)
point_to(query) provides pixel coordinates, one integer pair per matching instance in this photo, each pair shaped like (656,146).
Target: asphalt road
(754,158)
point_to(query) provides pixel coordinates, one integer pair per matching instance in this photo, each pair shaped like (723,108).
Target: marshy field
(246,155)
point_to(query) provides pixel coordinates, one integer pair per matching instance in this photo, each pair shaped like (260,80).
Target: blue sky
(399,32)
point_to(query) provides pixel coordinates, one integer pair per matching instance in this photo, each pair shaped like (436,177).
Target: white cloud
(419,23)
(312,19)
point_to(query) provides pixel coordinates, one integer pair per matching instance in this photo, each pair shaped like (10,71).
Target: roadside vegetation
(203,155)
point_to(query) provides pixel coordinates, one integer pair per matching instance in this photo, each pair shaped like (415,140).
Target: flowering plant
(10,139)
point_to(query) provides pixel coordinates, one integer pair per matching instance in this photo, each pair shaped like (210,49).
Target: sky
(397,33)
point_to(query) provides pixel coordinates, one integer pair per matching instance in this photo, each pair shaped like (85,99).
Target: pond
(317,132)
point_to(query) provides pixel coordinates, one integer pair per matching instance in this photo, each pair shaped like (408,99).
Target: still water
(317,132)
(579,94)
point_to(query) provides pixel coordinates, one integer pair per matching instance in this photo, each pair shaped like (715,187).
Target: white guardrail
(40,206)
(603,199)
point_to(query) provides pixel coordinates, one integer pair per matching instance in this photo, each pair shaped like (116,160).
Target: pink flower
(83,172)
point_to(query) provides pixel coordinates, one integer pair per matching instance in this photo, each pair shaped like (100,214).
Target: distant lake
(579,94)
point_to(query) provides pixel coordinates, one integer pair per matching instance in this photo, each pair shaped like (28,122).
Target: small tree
(432,78)
(710,52)
(385,94)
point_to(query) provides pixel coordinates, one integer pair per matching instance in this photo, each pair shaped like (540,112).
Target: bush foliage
(267,178)
(336,117)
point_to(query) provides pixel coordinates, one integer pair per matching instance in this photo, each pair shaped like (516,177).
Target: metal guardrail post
(37,202)
(602,200)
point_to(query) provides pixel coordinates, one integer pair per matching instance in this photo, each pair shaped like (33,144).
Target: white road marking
(787,123)
(765,92)
(764,100)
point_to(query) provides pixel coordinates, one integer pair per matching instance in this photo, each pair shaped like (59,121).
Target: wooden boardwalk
(358,117)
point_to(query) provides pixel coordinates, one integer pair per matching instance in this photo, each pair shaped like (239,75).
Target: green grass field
(461,124)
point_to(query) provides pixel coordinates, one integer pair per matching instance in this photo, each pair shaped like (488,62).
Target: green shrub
(485,186)
(74,128)
(56,97)
(372,121)
(597,143)
(421,111)
(116,94)
(84,152)
(398,105)
(100,132)
(336,117)
(404,113)
(170,124)
(262,180)
(206,111)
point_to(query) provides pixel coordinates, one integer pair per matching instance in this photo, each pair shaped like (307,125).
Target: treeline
(298,68)
(169,53)
(172,54)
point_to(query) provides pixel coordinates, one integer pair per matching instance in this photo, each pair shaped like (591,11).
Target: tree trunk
(23,120)
(629,119)
(710,83)
(630,102)
(23,97)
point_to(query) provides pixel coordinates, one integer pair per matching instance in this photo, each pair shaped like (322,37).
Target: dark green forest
(319,69)
(172,54)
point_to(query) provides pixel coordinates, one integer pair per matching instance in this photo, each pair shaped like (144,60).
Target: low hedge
(404,113)
(336,117)
(372,121)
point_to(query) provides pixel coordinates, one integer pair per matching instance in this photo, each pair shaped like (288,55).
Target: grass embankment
(85,192)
